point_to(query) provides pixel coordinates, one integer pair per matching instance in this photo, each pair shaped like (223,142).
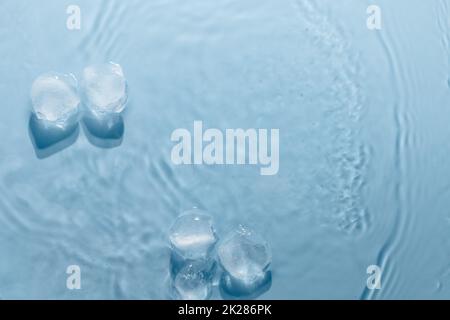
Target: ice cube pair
(57,98)
(244,256)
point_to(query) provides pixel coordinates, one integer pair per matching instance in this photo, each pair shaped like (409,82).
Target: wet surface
(363,118)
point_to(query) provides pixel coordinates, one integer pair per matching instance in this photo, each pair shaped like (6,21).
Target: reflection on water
(101,131)
(177,263)
(48,139)
(191,279)
(104,131)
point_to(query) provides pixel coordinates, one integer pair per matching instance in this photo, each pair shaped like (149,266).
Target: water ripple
(343,176)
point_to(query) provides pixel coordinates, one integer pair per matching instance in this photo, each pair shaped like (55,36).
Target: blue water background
(364,144)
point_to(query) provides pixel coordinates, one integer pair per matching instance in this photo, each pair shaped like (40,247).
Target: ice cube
(192,283)
(105,88)
(55,98)
(192,236)
(208,265)
(245,256)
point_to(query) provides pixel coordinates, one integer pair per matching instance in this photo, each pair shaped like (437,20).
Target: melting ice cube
(192,236)
(245,256)
(105,88)
(191,283)
(55,98)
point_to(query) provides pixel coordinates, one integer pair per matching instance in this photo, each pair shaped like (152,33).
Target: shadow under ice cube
(104,130)
(49,139)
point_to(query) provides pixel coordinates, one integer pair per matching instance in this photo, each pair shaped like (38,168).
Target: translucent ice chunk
(245,256)
(191,283)
(55,98)
(192,236)
(105,88)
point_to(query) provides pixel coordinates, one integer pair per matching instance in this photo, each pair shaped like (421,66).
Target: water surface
(363,118)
